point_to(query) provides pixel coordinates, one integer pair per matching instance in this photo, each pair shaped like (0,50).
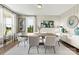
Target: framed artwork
(47,24)
(72,21)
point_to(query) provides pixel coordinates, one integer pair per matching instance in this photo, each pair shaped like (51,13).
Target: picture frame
(47,24)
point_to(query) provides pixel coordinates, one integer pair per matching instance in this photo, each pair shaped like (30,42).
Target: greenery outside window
(8,30)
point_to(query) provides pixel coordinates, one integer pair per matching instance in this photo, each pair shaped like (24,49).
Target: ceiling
(47,9)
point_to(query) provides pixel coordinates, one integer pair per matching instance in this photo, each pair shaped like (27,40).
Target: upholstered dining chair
(50,41)
(33,42)
(21,39)
(58,39)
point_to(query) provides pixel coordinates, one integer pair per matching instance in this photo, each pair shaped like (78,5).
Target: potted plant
(30,29)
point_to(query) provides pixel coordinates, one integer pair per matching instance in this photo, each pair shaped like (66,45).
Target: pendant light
(39,5)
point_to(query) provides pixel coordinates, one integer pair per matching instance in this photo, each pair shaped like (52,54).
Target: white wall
(39,19)
(56,19)
(64,17)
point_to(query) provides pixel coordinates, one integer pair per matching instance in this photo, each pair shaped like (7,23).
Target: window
(8,24)
(30,24)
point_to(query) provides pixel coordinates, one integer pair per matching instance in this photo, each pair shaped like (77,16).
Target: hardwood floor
(8,46)
(75,50)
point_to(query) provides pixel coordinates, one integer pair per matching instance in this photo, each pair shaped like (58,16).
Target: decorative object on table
(72,21)
(39,28)
(47,24)
(30,29)
(63,30)
(76,31)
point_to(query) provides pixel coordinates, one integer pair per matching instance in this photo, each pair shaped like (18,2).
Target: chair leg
(59,43)
(19,44)
(45,49)
(24,44)
(54,49)
(38,49)
(29,49)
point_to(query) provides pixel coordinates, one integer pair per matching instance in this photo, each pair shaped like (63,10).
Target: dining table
(38,34)
(46,34)
(28,34)
(41,35)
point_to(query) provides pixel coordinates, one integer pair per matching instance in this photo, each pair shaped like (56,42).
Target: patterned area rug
(23,50)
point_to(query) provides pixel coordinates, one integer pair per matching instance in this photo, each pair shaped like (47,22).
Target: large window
(30,24)
(8,24)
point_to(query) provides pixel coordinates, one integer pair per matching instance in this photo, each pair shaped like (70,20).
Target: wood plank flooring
(75,50)
(7,47)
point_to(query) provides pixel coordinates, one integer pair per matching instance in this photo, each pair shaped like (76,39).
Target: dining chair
(21,39)
(33,42)
(50,41)
(59,35)
(58,39)
(1,41)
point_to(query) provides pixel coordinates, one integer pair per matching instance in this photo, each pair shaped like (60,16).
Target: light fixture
(39,5)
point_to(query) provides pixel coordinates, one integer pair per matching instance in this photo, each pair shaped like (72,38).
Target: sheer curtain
(1,25)
(14,23)
(1,21)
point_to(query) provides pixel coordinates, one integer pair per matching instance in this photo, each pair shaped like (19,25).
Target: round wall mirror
(72,21)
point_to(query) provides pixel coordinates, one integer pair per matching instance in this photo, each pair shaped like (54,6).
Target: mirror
(72,21)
